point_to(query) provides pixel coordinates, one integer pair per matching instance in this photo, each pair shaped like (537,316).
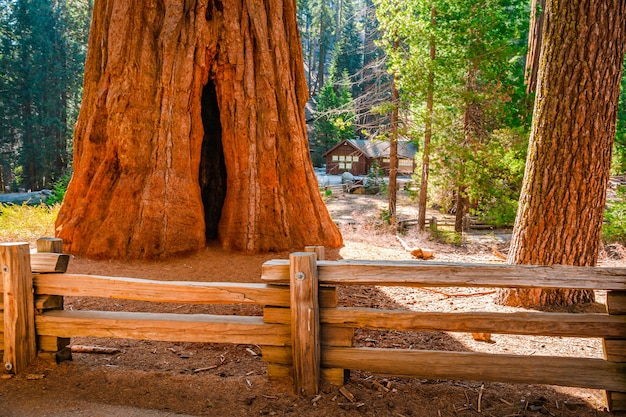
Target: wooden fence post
(19,307)
(51,348)
(615,349)
(305,327)
(331,335)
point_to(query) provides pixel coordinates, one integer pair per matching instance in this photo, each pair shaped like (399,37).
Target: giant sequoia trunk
(192,128)
(567,170)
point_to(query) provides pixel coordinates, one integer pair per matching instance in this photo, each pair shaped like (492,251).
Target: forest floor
(189,379)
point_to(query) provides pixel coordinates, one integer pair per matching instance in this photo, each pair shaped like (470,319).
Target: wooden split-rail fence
(304,333)
(434,223)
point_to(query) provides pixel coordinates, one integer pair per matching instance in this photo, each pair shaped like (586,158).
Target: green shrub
(385,216)
(449,237)
(501,214)
(58,191)
(614,227)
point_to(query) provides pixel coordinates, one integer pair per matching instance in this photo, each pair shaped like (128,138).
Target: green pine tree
(41,57)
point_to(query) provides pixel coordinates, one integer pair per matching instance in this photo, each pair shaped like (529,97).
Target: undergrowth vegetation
(26,223)
(614,227)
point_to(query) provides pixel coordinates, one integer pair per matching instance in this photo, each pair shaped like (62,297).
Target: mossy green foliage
(449,237)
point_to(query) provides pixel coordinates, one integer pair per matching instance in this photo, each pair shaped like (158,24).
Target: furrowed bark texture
(162,78)
(567,170)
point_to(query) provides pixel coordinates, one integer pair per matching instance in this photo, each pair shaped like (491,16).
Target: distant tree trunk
(567,170)
(537,13)
(321,67)
(428,131)
(393,150)
(338,21)
(461,208)
(192,124)
(472,130)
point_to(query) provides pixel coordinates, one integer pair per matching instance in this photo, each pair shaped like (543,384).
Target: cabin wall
(346,159)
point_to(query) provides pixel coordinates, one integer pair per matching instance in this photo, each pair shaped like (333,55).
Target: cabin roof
(378,149)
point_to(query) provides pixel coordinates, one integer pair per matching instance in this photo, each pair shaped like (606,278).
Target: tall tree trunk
(309,65)
(30,153)
(428,129)
(321,62)
(537,13)
(393,149)
(338,21)
(472,130)
(149,109)
(569,155)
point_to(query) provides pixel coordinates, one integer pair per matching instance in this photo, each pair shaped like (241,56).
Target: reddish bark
(185,102)
(537,13)
(569,155)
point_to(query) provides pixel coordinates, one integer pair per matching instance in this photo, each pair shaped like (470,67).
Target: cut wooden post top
(50,244)
(14,243)
(318,250)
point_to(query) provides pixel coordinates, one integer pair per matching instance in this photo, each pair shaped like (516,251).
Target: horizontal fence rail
(573,372)
(432,274)
(526,323)
(205,328)
(181,292)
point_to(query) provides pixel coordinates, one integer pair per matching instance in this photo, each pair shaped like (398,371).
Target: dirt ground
(189,379)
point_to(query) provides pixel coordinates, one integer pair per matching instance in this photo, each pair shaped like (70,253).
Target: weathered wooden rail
(304,333)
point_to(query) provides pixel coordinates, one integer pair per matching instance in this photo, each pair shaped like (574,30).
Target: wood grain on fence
(204,328)
(433,274)
(305,327)
(522,323)
(614,347)
(181,292)
(573,372)
(20,346)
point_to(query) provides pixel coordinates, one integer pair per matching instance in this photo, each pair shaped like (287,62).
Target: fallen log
(419,253)
(94,349)
(34,198)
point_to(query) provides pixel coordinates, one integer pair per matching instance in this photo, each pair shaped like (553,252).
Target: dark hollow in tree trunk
(212,167)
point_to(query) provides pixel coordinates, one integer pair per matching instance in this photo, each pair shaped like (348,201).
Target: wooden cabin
(358,157)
